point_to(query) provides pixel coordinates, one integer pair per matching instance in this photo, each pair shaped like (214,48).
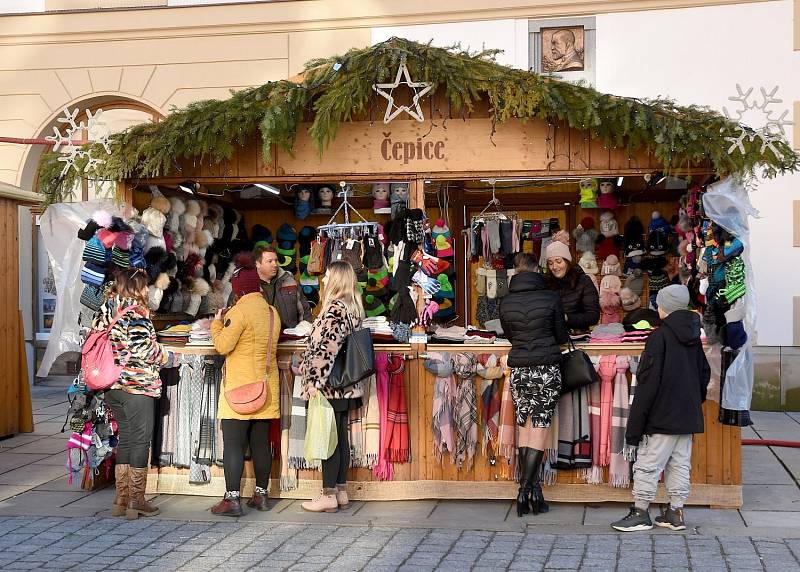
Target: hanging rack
(485,214)
(346,208)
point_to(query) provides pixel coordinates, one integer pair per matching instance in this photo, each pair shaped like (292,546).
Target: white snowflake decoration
(772,131)
(72,152)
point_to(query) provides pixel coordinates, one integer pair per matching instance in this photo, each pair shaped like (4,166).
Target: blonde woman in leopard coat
(341,313)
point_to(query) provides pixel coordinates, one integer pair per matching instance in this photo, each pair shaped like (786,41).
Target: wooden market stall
(484,127)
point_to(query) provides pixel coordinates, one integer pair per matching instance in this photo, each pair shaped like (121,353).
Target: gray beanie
(672,298)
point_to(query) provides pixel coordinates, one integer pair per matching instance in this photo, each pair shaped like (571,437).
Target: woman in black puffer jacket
(578,294)
(533,320)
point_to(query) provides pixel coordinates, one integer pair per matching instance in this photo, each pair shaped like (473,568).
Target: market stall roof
(8,191)
(340,89)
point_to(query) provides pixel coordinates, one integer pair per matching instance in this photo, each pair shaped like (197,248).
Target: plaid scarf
(491,374)
(466,410)
(619,472)
(384,471)
(549,474)
(594,475)
(507,433)
(574,445)
(629,451)
(288,480)
(355,429)
(444,391)
(398,446)
(371,420)
(297,430)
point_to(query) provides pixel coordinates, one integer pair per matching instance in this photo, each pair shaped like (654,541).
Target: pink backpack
(97,357)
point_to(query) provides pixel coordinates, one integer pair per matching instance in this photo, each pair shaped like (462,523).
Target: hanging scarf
(549,474)
(507,432)
(288,479)
(297,429)
(619,472)
(466,410)
(608,372)
(190,393)
(398,447)
(491,374)
(355,428)
(629,451)
(594,475)
(582,444)
(566,432)
(444,392)
(383,470)
(371,422)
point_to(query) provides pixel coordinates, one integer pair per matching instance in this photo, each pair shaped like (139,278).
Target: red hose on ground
(771,443)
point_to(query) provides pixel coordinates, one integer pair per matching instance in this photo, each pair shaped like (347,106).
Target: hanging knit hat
(446,310)
(735,335)
(608,225)
(444,246)
(446,289)
(606,247)
(630,301)
(373,306)
(305,238)
(260,233)
(287,255)
(585,235)
(611,265)
(312,295)
(95,252)
(635,282)
(657,243)
(376,288)
(88,231)
(381,275)
(588,262)
(611,283)
(658,281)
(735,286)
(634,232)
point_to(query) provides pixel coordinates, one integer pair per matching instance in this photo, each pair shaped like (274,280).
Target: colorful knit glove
(429,285)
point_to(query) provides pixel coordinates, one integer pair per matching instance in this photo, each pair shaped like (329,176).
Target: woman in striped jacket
(132,398)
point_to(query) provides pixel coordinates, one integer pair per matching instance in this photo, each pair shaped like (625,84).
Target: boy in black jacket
(671,386)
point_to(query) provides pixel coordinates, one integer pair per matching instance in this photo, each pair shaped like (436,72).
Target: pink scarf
(383,470)
(507,431)
(619,472)
(600,400)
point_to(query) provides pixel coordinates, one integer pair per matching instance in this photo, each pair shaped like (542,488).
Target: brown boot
(341,496)
(121,500)
(259,502)
(137,505)
(228,506)
(325,502)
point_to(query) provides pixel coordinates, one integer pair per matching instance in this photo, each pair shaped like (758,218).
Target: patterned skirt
(535,391)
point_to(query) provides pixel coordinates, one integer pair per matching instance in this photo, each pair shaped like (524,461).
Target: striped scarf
(608,372)
(398,445)
(619,472)
(491,374)
(383,470)
(507,432)
(629,451)
(371,421)
(466,410)
(594,475)
(444,391)
(355,429)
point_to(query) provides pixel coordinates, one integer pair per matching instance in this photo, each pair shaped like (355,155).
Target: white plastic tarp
(59,226)
(728,205)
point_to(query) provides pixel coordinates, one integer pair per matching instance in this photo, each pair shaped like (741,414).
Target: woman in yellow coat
(243,335)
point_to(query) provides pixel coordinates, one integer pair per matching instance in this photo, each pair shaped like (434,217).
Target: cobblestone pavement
(93,544)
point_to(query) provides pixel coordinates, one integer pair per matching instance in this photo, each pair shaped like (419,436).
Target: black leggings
(334,470)
(236,434)
(135,416)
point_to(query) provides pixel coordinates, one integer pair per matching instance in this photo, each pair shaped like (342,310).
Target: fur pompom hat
(197,288)
(160,202)
(177,208)
(190,216)
(154,220)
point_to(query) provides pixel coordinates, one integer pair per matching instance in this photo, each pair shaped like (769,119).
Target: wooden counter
(716,455)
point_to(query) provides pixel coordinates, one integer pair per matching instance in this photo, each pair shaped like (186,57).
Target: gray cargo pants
(669,453)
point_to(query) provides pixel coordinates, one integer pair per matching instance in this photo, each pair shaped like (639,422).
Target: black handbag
(577,370)
(355,361)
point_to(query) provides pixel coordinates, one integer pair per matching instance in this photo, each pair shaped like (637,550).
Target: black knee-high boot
(524,494)
(538,503)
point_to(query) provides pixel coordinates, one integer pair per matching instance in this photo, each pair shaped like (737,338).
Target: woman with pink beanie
(578,295)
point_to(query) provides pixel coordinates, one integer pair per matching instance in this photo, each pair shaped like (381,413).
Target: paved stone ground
(93,544)
(48,524)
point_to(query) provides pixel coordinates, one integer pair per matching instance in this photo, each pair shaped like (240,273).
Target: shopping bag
(320,430)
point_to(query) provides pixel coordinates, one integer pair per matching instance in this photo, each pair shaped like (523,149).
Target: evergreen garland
(337,89)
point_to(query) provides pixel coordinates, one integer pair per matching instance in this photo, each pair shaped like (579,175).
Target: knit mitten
(491,283)
(476,240)
(493,232)
(480,281)
(351,252)
(506,237)
(373,253)
(503,280)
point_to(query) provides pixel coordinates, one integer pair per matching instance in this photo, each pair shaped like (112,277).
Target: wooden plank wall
(10,332)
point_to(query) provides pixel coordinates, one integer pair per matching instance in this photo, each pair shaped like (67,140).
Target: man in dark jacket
(671,386)
(279,288)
